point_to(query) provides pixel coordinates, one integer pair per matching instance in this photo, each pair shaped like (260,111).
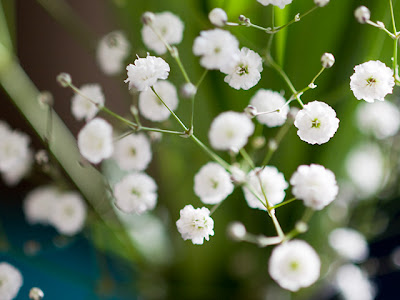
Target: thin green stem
(392,14)
(215,207)
(247,158)
(284,203)
(381,27)
(277,225)
(162,130)
(201,78)
(280,135)
(118,117)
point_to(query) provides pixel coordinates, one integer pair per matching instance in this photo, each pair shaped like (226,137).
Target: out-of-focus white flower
(87,106)
(145,72)
(349,243)
(10,281)
(371,81)
(245,73)
(111,52)
(230,130)
(316,123)
(95,140)
(195,224)
(152,108)
(273,183)
(212,183)
(39,204)
(382,119)
(14,175)
(267,101)
(294,265)
(133,152)
(236,231)
(365,167)
(321,3)
(14,146)
(168,25)
(315,185)
(218,17)
(218,49)
(354,284)
(280,3)
(136,192)
(68,213)
(327,59)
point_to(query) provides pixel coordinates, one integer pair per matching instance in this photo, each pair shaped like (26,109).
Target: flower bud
(148,18)
(36,294)
(64,79)
(301,227)
(45,98)
(42,157)
(188,90)
(250,111)
(321,3)
(218,17)
(238,176)
(236,231)
(258,142)
(327,60)
(362,14)
(244,20)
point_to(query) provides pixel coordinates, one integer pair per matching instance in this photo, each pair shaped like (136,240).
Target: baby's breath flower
(362,14)
(245,73)
(316,123)
(371,81)
(280,3)
(327,60)
(218,17)
(136,193)
(168,25)
(14,175)
(10,281)
(87,106)
(321,3)
(212,183)
(349,243)
(315,185)
(39,203)
(195,224)
(268,101)
(145,72)
(294,265)
(152,108)
(236,231)
(95,140)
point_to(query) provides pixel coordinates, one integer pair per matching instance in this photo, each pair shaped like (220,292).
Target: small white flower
(136,192)
(316,123)
(68,213)
(95,140)
(321,3)
(267,101)
(230,130)
(236,231)
(371,81)
(217,48)
(145,72)
(14,146)
(365,167)
(13,176)
(152,108)
(10,281)
(294,265)
(39,204)
(362,14)
(212,183)
(195,224)
(315,185)
(273,183)
(82,107)
(218,17)
(133,152)
(382,119)
(169,26)
(354,284)
(349,243)
(327,59)
(280,3)
(245,73)
(111,52)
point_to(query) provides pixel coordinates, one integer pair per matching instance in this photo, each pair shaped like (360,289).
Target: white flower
(280,3)
(136,192)
(14,175)
(321,3)
(315,185)
(212,183)
(14,146)
(152,108)
(371,81)
(195,224)
(39,204)
(382,119)
(354,284)
(111,51)
(294,265)
(169,26)
(84,107)
(95,140)
(245,73)
(230,130)
(362,14)
(316,123)
(146,71)
(267,101)
(68,213)
(10,281)
(218,17)
(365,167)
(349,243)
(217,48)
(273,183)
(133,152)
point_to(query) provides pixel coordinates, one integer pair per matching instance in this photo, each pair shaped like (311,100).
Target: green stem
(201,78)
(215,207)
(277,225)
(118,117)
(278,139)
(284,203)
(392,14)
(393,36)
(247,158)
